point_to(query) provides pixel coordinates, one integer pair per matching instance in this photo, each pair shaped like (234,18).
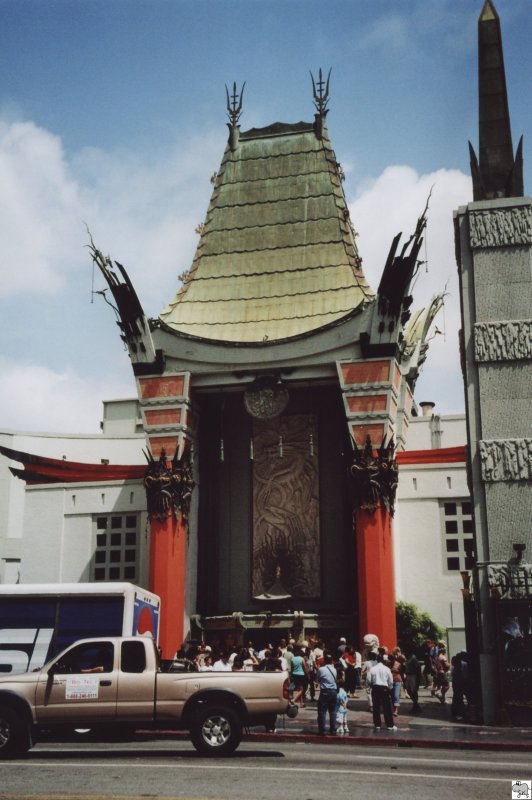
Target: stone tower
(494,250)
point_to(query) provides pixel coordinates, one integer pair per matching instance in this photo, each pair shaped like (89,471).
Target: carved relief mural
(503,341)
(506,459)
(499,227)
(286,526)
(509,581)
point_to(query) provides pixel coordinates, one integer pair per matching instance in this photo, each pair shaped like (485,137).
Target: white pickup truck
(115,685)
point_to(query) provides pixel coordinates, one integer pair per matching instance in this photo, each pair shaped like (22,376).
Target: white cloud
(391,204)
(38,202)
(35,398)
(141,209)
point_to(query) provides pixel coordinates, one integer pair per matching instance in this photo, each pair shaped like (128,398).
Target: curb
(390,740)
(384,739)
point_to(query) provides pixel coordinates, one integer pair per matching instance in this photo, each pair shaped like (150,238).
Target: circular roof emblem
(266,398)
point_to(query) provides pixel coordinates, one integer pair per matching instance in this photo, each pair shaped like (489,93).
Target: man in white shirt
(379,679)
(223,664)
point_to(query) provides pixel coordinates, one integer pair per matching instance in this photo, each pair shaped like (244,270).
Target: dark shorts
(299,681)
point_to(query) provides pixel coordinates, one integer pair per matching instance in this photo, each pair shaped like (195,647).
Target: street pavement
(434,727)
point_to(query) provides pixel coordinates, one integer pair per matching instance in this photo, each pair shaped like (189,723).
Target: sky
(113,118)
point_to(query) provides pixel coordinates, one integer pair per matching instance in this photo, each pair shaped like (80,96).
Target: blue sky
(112,113)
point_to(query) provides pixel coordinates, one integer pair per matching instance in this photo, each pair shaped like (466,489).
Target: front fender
(19,704)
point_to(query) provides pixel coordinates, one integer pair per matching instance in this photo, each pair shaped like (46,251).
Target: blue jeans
(396,693)
(327,704)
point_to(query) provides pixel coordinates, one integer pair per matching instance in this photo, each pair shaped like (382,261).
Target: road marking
(241,768)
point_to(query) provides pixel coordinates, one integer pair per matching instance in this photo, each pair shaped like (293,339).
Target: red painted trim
(443,455)
(40,469)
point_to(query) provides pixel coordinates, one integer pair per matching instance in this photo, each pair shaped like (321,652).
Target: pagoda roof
(277,256)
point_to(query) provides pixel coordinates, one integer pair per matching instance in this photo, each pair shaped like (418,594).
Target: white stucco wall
(420,574)
(49,528)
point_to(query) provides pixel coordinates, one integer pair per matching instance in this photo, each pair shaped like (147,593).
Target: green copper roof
(276,256)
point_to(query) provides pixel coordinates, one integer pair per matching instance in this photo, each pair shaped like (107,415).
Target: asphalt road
(258,771)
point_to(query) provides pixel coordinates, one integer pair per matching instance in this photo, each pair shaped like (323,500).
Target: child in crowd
(341,709)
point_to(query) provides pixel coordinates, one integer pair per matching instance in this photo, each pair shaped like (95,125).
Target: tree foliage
(414,626)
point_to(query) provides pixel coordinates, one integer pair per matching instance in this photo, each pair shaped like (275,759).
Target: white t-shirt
(221,666)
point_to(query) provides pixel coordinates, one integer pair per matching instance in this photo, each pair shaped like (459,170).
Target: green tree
(414,626)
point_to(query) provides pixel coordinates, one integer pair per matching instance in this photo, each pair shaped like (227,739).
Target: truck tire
(14,736)
(215,730)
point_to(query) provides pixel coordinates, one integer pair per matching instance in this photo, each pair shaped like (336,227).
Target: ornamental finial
(320,91)
(234,103)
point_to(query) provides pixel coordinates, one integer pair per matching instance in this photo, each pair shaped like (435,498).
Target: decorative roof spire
(495,173)
(320,91)
(234,112)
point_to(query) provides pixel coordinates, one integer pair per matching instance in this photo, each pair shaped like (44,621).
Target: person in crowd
(430,651)
(396,662)
(204,651)
(249,661)
(328,691)
(223,663)
(274,661)
(288,655)
(441,678)
(206,665)
(380,681)
(340,650)
(299,673)
(347,660)
(358,670)
(459,684)
(311,667)
(412,681)
(341,709)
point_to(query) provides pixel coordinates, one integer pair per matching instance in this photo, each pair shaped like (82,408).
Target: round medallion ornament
(266,398)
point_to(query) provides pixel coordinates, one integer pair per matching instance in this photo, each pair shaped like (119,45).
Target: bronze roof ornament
(320,91)
(234,103)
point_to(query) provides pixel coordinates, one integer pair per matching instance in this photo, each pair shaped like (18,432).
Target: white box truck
(37,621)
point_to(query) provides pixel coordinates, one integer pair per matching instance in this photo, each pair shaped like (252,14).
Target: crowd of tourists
(335,673)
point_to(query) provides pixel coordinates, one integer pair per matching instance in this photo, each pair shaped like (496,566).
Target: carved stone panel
(509,581)
(501,227)
(503,341)
(506,459)
(286,526)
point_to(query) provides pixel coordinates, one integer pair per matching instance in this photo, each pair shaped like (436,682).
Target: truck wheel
(14,739)
(216,730)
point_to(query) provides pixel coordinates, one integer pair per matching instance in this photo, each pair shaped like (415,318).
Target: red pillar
(167,579)
(376,591)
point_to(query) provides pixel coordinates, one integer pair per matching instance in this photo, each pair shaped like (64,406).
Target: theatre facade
(275,391)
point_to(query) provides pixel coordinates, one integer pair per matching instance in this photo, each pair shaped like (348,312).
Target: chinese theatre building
(275,390)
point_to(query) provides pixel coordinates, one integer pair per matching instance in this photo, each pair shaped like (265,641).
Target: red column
(167,579)
(376,594)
